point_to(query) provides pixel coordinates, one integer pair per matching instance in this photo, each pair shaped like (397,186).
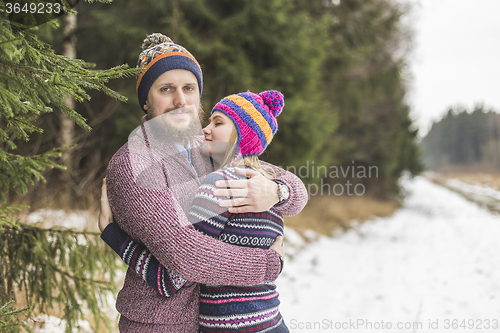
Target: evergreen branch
(18,171)
(59,268)
(8,320)
(6,219)
(11,40)
(30,106)
(14,67)
(78,278)
(8,309)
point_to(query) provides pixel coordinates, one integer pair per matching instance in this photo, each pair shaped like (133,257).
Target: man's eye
(190,88)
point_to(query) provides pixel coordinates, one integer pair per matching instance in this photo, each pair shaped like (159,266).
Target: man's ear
(146,105)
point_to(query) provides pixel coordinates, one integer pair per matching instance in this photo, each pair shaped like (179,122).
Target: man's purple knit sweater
(150,189)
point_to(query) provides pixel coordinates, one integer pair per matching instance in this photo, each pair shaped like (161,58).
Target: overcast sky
(456,57)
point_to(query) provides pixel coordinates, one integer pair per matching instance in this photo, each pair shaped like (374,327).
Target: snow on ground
(486,195)
(473,188)
(51,324)
(59,218)
(431,267)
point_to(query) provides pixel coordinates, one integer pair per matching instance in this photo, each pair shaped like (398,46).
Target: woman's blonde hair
(251,161)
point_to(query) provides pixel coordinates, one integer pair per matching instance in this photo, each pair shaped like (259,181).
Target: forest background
(342,66)
(464,141)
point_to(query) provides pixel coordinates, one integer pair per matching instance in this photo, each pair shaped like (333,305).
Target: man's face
(174,100)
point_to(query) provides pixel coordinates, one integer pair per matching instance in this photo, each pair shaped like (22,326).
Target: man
(151,181)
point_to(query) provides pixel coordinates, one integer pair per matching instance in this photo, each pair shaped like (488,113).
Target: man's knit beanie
(161,54)
(254,117)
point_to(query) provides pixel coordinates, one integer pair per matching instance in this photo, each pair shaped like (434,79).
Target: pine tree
(55,268)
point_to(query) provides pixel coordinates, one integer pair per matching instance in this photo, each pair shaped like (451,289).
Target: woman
(241,127)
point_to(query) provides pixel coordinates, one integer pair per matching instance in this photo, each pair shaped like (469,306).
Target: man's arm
(206,216)
(154,217)
(140,259)
(258,194)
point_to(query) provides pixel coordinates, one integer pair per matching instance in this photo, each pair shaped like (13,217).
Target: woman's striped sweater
(222,308)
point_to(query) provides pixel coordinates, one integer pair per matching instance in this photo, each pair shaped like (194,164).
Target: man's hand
(256,194)
(105,214)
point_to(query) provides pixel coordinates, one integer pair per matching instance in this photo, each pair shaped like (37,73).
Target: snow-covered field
(431,267)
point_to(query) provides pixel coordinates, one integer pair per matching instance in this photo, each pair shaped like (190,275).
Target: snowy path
(434,263)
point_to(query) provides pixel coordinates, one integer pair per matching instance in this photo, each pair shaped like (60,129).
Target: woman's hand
(105,214)
(278,247)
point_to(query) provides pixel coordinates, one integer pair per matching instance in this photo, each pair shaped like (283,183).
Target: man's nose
(179,98)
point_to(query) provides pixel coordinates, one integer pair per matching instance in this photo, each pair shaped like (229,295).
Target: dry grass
(326,214)
(491,179)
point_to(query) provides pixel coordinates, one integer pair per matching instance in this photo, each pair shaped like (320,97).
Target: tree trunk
(67,125)
(175,22)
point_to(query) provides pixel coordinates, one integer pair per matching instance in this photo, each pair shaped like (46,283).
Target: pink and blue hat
(254,117)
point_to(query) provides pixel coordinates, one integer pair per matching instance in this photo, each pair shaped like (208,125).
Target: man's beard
(165,129)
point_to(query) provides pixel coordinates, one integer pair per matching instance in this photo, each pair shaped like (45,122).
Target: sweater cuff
(273,267)
(114,237)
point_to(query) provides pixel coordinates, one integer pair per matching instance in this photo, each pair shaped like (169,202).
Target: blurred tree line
(464,140)
(340,64)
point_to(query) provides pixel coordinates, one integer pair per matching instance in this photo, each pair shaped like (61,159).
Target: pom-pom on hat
(161,54)
(254,117)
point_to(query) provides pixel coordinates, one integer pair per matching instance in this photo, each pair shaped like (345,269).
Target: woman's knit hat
(254,117)
(161,54)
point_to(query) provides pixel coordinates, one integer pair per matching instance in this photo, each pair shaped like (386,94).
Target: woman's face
(218,136)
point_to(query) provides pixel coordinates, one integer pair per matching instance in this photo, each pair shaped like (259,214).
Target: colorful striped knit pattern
(161,54)
(254,117)
(222,308)
(233,308)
